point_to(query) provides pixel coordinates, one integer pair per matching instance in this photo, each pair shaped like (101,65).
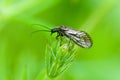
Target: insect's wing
(81,38)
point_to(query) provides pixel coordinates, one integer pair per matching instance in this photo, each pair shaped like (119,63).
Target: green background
(22,56)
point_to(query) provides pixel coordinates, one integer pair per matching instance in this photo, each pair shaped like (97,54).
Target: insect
(81,38)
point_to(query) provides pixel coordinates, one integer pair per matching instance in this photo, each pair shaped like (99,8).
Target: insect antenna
(48,29)
(40,31)
(42,26)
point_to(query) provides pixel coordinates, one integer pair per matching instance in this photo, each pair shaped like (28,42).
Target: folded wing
(81,38)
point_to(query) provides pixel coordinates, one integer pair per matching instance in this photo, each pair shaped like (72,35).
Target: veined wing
(81,38)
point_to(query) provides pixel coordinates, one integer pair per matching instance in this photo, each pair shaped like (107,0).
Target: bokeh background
(22,57)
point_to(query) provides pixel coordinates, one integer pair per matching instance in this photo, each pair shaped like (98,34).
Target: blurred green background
(22,57)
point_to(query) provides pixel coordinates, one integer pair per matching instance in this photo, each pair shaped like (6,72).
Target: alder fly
(81,38)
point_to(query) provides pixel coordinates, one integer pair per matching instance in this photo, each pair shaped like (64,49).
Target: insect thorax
(60,30)
(55,30)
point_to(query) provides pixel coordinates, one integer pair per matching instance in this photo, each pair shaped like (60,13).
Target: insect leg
(59,37)
(69,42)
(58,34)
